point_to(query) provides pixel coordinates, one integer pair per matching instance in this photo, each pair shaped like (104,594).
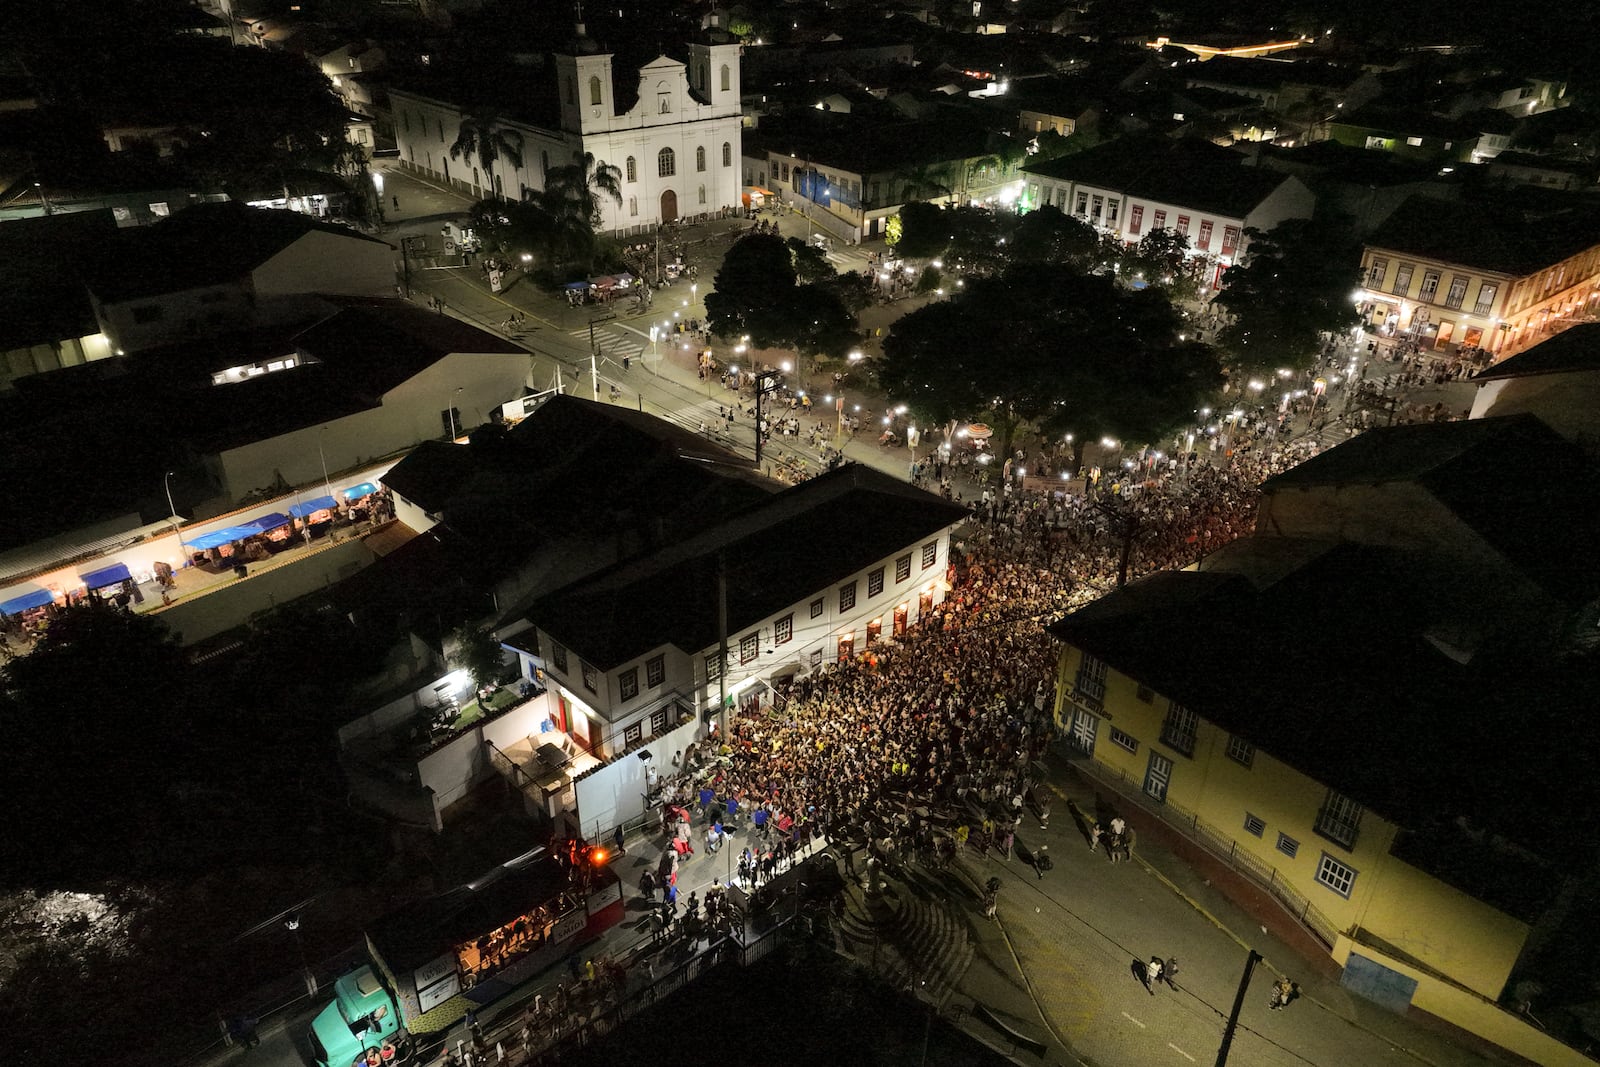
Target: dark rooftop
(1493,239)
(776,552)
(1463,465)
(43,262)
(1192,173)
(1576,348)
(201,245)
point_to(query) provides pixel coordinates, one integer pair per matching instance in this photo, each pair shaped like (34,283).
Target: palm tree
(574,191)
(925,182)
(481,135)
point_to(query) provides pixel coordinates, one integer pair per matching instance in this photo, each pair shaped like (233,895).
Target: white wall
(408,414)
(184,316)
(614,793)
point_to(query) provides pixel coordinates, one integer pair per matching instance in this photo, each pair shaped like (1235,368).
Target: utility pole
(1238,1004)
(1127,529)
(762,389)
(722,649)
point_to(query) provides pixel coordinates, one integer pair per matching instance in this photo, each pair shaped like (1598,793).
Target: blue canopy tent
(262,523)
(38,598)
(576,285)
(115,574)
(217,538)
(356,492)
(311,507)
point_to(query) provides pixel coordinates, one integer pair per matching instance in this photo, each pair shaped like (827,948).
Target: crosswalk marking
(1132,1020)
(1180,1052)
(611,343)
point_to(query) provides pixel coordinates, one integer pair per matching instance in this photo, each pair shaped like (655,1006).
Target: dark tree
(1294,283)
(757,295)
(923,232)
(1049,235)
(1053,348)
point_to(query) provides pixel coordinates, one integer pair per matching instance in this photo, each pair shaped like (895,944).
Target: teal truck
(361,1017)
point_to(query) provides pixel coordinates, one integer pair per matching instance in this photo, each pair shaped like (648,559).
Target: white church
(675,140)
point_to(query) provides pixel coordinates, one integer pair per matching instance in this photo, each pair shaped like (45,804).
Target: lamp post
(292,924)
(172,512)
(405,259)
(764,384)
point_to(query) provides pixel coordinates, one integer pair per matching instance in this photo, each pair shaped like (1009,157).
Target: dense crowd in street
(898,743)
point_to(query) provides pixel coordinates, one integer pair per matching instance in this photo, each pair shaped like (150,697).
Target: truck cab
(362,1016)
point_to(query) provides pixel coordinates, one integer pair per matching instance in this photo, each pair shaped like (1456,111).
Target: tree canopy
(758,294)
(1293,284)
(1054,348)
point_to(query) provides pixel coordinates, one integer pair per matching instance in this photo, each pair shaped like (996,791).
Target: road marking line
(1134,1021)
(1180,1052)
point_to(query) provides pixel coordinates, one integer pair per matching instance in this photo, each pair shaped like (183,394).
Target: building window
(1241,751)
(1146,694)
(655,671)
(558,656)
(1157,777)
(1124,740)
(1340,819)
(847,596)
(783,630)
(1458,292)
(1402,278)
(1337,876)
(633,206)
(632,169)
(658,722)
(727,154)
(665,102)
(1375,273)
(1183,226)
(875,583)
(1178,730)
(727,78)
(1430,285)
(1486,293)
(702,194)
(749,647)
(816,608)
(666,163)
(1203,242)
(1230,240)
(594,91)
(1091,680)
(700,158)
(1135,218)
(902,568)
(1288,845)
(930,554)
(1158,221)
(1253,825)
(1414,142)
(847,646)
(628,683)
(713,667)
(589,680)
(1113,207)
(633,734)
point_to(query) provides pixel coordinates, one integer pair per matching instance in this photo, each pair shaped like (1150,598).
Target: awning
(603,282)
(112,575)
(263,523)
(27,602)
(356,492)
(576,285)
(321,503)
(217,538)
(624,280)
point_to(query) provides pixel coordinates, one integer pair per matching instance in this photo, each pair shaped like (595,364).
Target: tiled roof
(1190,173)
(1493,239)
(1576,348)
(779,551)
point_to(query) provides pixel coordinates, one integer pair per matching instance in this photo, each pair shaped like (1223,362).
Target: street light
(166,483)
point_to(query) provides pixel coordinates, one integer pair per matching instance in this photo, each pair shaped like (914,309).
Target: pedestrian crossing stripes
(611,343)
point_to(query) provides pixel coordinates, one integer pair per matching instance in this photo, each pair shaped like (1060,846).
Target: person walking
(1170,972)
(1283,991)
(1152,974)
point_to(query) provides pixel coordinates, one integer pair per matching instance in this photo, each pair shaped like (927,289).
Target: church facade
(675,139)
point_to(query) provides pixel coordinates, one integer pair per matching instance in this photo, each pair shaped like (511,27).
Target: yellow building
(1450,275)
(1338,715)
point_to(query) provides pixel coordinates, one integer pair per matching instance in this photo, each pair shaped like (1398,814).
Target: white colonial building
(670,128)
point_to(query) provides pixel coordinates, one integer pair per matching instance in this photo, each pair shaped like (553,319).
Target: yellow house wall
(1441,927)
(1472,1013)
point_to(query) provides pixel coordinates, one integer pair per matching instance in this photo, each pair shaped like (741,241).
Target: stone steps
(917,934)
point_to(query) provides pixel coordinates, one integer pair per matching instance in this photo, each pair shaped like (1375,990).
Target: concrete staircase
(913,933)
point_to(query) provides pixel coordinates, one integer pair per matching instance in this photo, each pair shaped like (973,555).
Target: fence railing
(1221,845)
